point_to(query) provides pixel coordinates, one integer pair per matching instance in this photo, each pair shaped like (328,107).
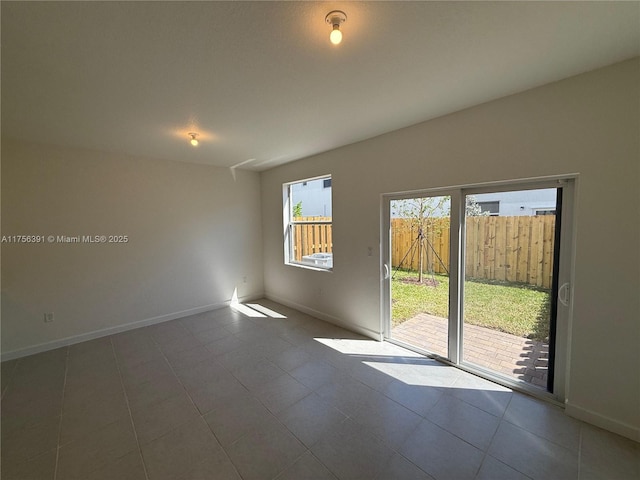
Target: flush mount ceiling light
(335,18)
(194,139)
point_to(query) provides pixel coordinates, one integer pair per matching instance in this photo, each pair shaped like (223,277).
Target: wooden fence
(313,236)
(514,249)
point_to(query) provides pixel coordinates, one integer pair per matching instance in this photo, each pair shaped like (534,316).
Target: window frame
(289,224)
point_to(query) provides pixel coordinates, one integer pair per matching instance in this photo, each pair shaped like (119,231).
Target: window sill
(308,266)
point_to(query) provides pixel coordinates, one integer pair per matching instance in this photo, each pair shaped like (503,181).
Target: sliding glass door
(420,232)
(474,276)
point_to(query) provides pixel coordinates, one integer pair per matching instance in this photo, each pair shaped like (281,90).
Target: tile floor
(226,395)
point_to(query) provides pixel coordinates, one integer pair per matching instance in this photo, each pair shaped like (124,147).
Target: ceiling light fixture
(335,18)
(194,139)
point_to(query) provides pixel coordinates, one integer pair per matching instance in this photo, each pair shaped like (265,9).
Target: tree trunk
(420,255)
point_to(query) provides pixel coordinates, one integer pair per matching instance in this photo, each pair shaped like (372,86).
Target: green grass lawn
(518,309)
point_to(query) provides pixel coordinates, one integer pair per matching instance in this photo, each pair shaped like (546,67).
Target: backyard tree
(428,216)
(422,214)
(297,209)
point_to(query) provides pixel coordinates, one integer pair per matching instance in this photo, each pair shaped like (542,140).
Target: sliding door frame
(564,273)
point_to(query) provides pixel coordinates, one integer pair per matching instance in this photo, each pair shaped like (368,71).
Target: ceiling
(261,83)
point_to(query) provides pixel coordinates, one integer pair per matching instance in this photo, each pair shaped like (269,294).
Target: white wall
(194,233)
(587,124)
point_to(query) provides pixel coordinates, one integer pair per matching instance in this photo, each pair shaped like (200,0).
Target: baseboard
(326,317)
(594,418)
(63,342)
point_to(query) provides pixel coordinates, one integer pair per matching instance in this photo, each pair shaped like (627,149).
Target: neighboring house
(523,202)
(503,204)
(315,196)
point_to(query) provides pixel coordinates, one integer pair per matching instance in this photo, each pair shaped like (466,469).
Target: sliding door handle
(385,270)
(563,294)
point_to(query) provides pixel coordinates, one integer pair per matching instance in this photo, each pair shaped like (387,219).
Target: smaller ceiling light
(194,139)
(335,18)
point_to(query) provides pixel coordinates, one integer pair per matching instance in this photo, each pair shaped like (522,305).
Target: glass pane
(311,232)
(312,242)
(420,272)
(509,262)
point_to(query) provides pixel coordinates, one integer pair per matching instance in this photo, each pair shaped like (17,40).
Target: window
(307,221)
(492,208)
(545,211)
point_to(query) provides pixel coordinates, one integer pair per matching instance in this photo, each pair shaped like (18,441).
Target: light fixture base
(336,17)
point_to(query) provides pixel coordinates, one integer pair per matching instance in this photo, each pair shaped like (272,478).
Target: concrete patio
(506,354)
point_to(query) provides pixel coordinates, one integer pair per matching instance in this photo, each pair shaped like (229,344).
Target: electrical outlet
(48,317)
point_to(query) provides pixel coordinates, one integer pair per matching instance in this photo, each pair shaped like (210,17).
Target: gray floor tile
(128,467)
(200,322)
(242,415)
(225,345)
(532,455)
(29,442)
(399,468)
(178,343)
(307,467)
(143,372)
(256,375)
(605,455)
(317,373)
(387,419)
(350,453)
(95,450)
(291,358)
(34,386)
(544,420)
(217,394)
(281,392)
(487,396)
(265,452)
(176,453)
(217,466)
(493,469)
(156,390)
(311,419)
(416,398)
(349,396)
(473,425)
(204,373)
(7,369)
(89,417)
(370,376)
(441,454)
(270,345)
(78,396)
(239,358)
(17,414)
(296,336)
(160,418)
(217,332)
(42,467)
(137,351)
